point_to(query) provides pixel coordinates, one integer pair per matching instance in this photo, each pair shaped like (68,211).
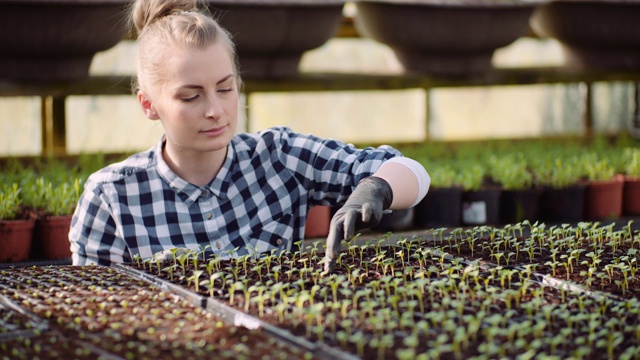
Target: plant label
(474,212)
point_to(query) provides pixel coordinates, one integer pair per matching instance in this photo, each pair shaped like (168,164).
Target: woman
(204,186)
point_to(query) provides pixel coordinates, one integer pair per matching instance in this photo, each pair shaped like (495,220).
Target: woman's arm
(93,233)
(408,179)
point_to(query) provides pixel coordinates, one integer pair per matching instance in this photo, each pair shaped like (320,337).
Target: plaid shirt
(258,201)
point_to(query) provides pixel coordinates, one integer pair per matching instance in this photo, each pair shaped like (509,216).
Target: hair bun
(146,12)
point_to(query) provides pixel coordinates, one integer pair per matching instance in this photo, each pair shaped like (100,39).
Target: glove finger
(349,224)
(333,247)
(329,265)
(367,212)
(333,243)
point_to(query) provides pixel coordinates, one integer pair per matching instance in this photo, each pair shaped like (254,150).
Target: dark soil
(452,298)
(603,276)
(93,309)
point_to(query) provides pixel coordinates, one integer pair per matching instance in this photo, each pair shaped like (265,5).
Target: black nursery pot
(399,220)
(439,208)
(564,204)
(481,207)
(519,205)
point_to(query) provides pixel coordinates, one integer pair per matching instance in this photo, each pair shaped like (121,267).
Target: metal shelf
(53,95)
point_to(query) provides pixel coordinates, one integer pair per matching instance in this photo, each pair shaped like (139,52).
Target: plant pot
(603,199)
(519,205)
(441,207)
(318,221)
(444,38)
(51,239)
(631,196)
(272,35)
(481,207)
(15,239)
(595,34)
(565,204)
(398,220)
(55,40)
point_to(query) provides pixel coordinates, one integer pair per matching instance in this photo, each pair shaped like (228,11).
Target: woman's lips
(214,131)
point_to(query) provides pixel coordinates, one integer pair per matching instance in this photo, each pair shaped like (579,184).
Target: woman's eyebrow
(194,86)
(224,79)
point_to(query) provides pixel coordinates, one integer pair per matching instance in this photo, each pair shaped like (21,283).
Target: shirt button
(218,245)
(205,193)
(208,216)
(279,241)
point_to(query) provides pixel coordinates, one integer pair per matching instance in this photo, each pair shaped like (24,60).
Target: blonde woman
(204,185)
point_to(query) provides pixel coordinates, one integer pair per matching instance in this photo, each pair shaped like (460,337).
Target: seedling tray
(397,302)
(239,318)
(99,312)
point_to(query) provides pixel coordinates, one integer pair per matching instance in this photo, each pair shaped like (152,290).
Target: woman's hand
(363,209)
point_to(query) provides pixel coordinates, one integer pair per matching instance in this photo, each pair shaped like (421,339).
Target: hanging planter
(272,35)
(446,38)
(55,40)
(595,34)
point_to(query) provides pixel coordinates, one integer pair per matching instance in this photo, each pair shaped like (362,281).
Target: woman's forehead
(209,63)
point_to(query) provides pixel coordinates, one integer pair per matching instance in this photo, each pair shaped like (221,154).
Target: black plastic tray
(238,318)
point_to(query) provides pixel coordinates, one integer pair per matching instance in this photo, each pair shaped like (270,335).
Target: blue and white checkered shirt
(258,201)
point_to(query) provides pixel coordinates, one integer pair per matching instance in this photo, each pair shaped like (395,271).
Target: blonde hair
(163,24)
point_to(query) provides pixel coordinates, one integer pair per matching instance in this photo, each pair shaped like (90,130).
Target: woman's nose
(214,108)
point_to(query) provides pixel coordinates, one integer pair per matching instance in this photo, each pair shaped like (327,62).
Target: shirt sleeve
(330,169)
(93,232)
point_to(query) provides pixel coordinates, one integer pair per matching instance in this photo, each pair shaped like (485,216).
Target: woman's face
(196,99)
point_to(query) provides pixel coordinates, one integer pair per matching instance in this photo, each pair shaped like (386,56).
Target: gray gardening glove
(363,209)
(170,254)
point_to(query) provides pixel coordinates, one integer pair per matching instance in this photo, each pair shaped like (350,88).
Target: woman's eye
(188,99)
(225,90)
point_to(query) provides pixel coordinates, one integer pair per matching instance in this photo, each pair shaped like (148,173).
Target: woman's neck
(196,168)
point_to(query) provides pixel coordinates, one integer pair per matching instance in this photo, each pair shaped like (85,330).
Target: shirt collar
(187,191)
(221,183)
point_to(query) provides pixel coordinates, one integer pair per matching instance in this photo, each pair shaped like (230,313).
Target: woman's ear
(147,106)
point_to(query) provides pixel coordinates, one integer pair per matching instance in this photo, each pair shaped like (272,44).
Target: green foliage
(631,161)
(443,175)
(598,168)
(58,199)
(511,171)
(10,201)
(471,175)
(49,186)
(558,173)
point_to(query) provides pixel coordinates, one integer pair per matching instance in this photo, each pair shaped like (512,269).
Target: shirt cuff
(424,181)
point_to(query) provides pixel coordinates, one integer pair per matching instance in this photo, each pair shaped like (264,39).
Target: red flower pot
(52,237)
(631,195)
(603,199)
(318,221)
(15,239)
